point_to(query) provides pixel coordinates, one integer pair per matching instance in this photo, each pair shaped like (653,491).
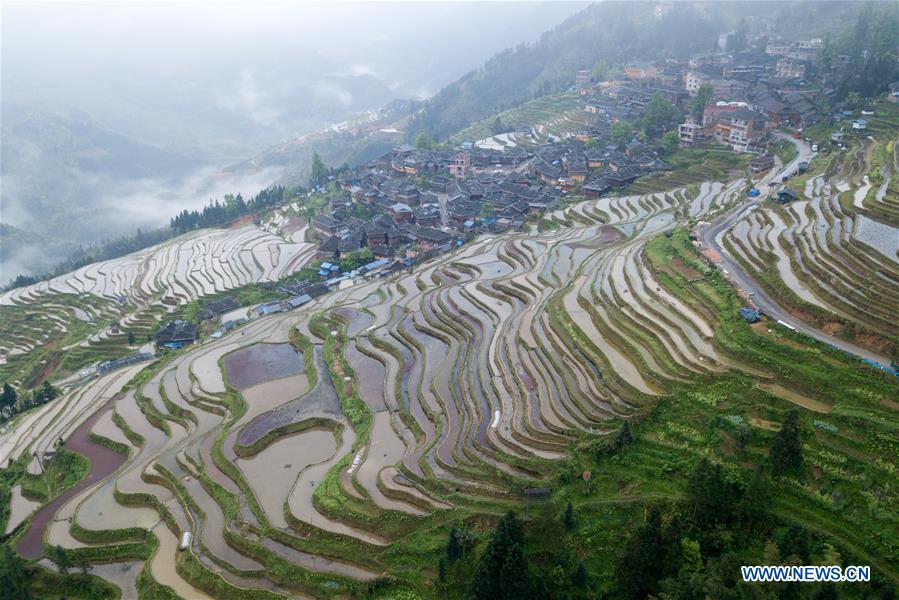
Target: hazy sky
(114,115)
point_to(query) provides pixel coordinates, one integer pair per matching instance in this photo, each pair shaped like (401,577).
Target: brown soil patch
(791,343)
(713,255)
(293,224)
(760,327)
(241,221)
(763,424)
(795,397)
(607,235)
(873,342)
(833,327)
(889,403)
(689,273)
(801,314)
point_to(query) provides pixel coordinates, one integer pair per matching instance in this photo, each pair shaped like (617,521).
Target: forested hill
(600,37)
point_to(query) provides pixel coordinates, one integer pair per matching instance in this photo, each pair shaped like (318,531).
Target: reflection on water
(880,236)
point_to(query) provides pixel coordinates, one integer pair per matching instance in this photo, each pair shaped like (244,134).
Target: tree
(621,132)
(498,126)
(8,397)
(600,70)
(670,142)
(46,393)
(487,210)
(705,93)
(62,558)
(691,555)
(81,562)
(625,434)
(786,450)
(649,556)
(580,579)
(441,570)
(453,547)
(502,571)
(319,173)
(794,543)
(710,495)
(423,141)
(568,516)
(130,338)
(659,112)
(14,574)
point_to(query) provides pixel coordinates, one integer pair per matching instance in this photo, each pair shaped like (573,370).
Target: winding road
(710,236)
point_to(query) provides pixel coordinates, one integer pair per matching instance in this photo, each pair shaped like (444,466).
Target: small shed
(787,195)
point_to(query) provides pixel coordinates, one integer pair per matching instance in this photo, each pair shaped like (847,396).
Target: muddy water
(370,375)
(121,574)
(260,363)
(207,370)
(880,236)
(273,471)
(20,508)
(319,564)
(624,367)
(386,449)
(300,499)
(212,528)
(162,566)
(104,462)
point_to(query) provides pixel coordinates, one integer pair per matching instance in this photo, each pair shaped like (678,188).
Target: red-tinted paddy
(260,363)
(104,462)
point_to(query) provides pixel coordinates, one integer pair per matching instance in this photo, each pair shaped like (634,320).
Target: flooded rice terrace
(262,362)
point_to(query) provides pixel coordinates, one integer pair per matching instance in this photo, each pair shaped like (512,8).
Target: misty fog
(117,116)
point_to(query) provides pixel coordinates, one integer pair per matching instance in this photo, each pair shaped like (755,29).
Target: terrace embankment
(311,452)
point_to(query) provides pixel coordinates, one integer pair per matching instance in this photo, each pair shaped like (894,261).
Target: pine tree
(61,557)
(580,579)
(441,570)
(786,451)
(130,338)
(639,570)
(13,574)
(453,547)
(502,572)
(8,397)
(319,175)
(625,435)
(568,516)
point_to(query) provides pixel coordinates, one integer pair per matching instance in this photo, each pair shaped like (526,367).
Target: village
(416,202)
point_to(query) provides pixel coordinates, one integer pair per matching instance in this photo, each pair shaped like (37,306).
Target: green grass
(693,165)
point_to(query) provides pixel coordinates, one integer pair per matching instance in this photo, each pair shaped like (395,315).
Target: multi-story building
(693,80)
(460,165)
(790,69)
(638,72)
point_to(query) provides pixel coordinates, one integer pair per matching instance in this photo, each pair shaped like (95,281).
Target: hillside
(602,36)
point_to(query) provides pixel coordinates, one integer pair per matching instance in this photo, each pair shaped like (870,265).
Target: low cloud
(119,208)
(248,100)
(329,91)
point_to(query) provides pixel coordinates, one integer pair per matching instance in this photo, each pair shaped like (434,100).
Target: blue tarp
(750,315)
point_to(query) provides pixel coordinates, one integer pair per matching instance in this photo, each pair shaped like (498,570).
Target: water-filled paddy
(262,362)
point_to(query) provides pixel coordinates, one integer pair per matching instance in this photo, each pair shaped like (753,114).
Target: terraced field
(325,452)
(829,257)
(539,121)
(85,316)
